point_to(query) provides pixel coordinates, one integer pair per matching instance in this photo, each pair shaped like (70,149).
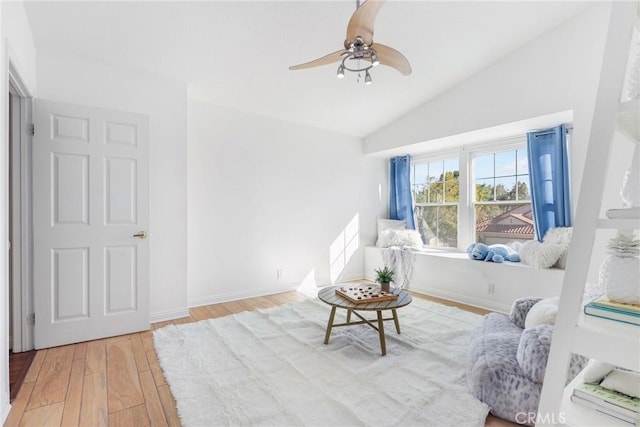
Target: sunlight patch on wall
(343,247)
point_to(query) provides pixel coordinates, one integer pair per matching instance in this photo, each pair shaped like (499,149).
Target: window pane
(420,173)
(420,194)
(451,191)
(448,226)
(435,171)
(523,188)
(522,162)
(452,178)
(484,190)
(436,192)
(506,163)
(503,223)
(451,169)
(438,225)
(506,188)
(483,166)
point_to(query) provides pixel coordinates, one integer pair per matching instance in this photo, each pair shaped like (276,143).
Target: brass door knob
(141,235)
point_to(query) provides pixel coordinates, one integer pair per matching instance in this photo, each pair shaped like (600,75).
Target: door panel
(121,278)
(121,133)
(90,179)
(70,192)
(120,187)
(70,283)
(72,129)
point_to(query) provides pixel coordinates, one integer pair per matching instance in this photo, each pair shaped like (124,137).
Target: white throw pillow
(626,382)
(595,371)
(540,255)
(559,236)
(386,224)
(404,238)
(542,313)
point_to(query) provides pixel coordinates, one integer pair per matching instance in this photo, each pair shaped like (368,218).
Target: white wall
(165,101)
(265,195)
(16,44)
(21,49)
(556,73)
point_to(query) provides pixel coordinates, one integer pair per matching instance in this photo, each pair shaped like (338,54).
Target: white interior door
(90,200)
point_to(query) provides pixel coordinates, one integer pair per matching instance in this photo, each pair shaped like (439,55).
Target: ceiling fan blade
(361,22)
(392,58)
(328,59)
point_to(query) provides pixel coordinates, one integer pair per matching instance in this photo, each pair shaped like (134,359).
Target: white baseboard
(162,316)
(237,295)
(463,299)
(253,293)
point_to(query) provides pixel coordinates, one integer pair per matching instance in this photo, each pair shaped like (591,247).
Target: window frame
(466,185)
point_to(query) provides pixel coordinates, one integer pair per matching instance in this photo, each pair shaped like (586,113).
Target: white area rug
(270,367)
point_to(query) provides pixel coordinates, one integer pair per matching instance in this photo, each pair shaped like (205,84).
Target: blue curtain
(401,200)
(549,179)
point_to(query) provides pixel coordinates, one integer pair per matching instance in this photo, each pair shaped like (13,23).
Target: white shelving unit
(619,224)
(608,340)
(602,339)
(578,415)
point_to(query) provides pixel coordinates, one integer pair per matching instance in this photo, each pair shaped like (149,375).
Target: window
(436,189)
(502,203)
(475,194)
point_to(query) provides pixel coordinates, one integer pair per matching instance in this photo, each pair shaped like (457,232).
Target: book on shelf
(631,419)
(604,301)
(606,309)
(622,403)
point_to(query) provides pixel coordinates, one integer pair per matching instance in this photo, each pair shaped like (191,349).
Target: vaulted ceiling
(237,53)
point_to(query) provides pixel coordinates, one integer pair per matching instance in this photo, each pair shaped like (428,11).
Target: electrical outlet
(491,288)
(279,273)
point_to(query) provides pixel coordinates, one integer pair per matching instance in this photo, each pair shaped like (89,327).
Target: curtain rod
(567,128)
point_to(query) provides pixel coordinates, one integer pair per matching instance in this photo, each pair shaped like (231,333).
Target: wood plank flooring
(118,381)
(19,364)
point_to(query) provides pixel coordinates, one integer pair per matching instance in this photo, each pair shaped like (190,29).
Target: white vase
(630,191)
(620,277)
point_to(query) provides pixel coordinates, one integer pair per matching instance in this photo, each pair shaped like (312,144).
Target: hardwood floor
(19,364)
(118,381)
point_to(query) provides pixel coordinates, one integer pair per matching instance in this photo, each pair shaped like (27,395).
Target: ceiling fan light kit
(365,58)
(360,54)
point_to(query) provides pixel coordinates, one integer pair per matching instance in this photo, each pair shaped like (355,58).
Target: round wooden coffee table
(329,296)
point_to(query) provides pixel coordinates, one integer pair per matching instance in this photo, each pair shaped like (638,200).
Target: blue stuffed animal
(495,253)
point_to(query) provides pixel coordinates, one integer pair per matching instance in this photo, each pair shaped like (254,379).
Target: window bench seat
(453,276)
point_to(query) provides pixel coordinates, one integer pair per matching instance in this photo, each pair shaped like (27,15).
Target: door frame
(21,202)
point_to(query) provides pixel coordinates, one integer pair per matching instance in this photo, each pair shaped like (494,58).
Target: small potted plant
(384,277)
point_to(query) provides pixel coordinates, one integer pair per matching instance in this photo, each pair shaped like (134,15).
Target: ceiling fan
(360,53)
